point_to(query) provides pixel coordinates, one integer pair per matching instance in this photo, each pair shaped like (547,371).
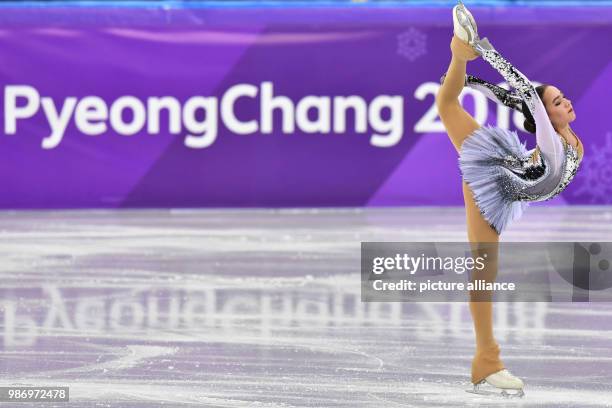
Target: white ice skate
(501,383)
(464,24)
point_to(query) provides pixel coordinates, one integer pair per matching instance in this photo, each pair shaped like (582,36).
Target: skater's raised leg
(459,124)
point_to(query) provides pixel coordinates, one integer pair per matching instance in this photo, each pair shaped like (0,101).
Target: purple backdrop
(85,125)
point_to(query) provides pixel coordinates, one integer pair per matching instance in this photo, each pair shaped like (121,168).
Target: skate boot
(501,383)
(464,25)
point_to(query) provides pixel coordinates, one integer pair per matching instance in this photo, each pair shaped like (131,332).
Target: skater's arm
(548,141)
(495,93)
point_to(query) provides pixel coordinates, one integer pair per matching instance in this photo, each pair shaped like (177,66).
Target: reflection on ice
(243,308)
(228,313)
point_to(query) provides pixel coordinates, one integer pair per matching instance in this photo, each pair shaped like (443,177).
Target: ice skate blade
(464,25)
(503,393)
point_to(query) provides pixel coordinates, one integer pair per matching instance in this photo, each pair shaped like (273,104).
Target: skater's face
(559,107)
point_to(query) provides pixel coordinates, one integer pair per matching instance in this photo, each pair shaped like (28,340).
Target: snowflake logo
(597,173)
(412,44)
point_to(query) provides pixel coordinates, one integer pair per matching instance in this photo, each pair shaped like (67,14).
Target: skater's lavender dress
(502,174)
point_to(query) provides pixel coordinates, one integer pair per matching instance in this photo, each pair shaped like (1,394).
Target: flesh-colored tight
(460,125)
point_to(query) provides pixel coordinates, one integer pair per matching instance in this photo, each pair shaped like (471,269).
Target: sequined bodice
(540,176)
(534,171)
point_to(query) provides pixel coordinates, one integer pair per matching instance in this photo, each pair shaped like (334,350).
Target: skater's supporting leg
(458,123)
(483,238)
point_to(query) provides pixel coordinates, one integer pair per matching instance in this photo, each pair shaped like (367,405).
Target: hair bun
(529,126)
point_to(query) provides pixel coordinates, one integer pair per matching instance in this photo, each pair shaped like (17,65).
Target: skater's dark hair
(529,123)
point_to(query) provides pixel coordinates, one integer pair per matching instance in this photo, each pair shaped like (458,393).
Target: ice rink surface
(262,308)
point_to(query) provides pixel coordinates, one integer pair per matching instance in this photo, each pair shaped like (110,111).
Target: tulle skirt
(482,162)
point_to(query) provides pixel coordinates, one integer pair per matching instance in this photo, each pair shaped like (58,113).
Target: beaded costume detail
(503,175)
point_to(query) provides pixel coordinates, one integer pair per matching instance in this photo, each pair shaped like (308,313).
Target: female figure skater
(499,175)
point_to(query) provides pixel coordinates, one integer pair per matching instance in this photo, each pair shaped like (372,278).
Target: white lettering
(57,121)
(155,106)
(91,108)
(269,103)
(138,115)
(12,112)
(227,109)
(200,118)
(394,125)
(202,133)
